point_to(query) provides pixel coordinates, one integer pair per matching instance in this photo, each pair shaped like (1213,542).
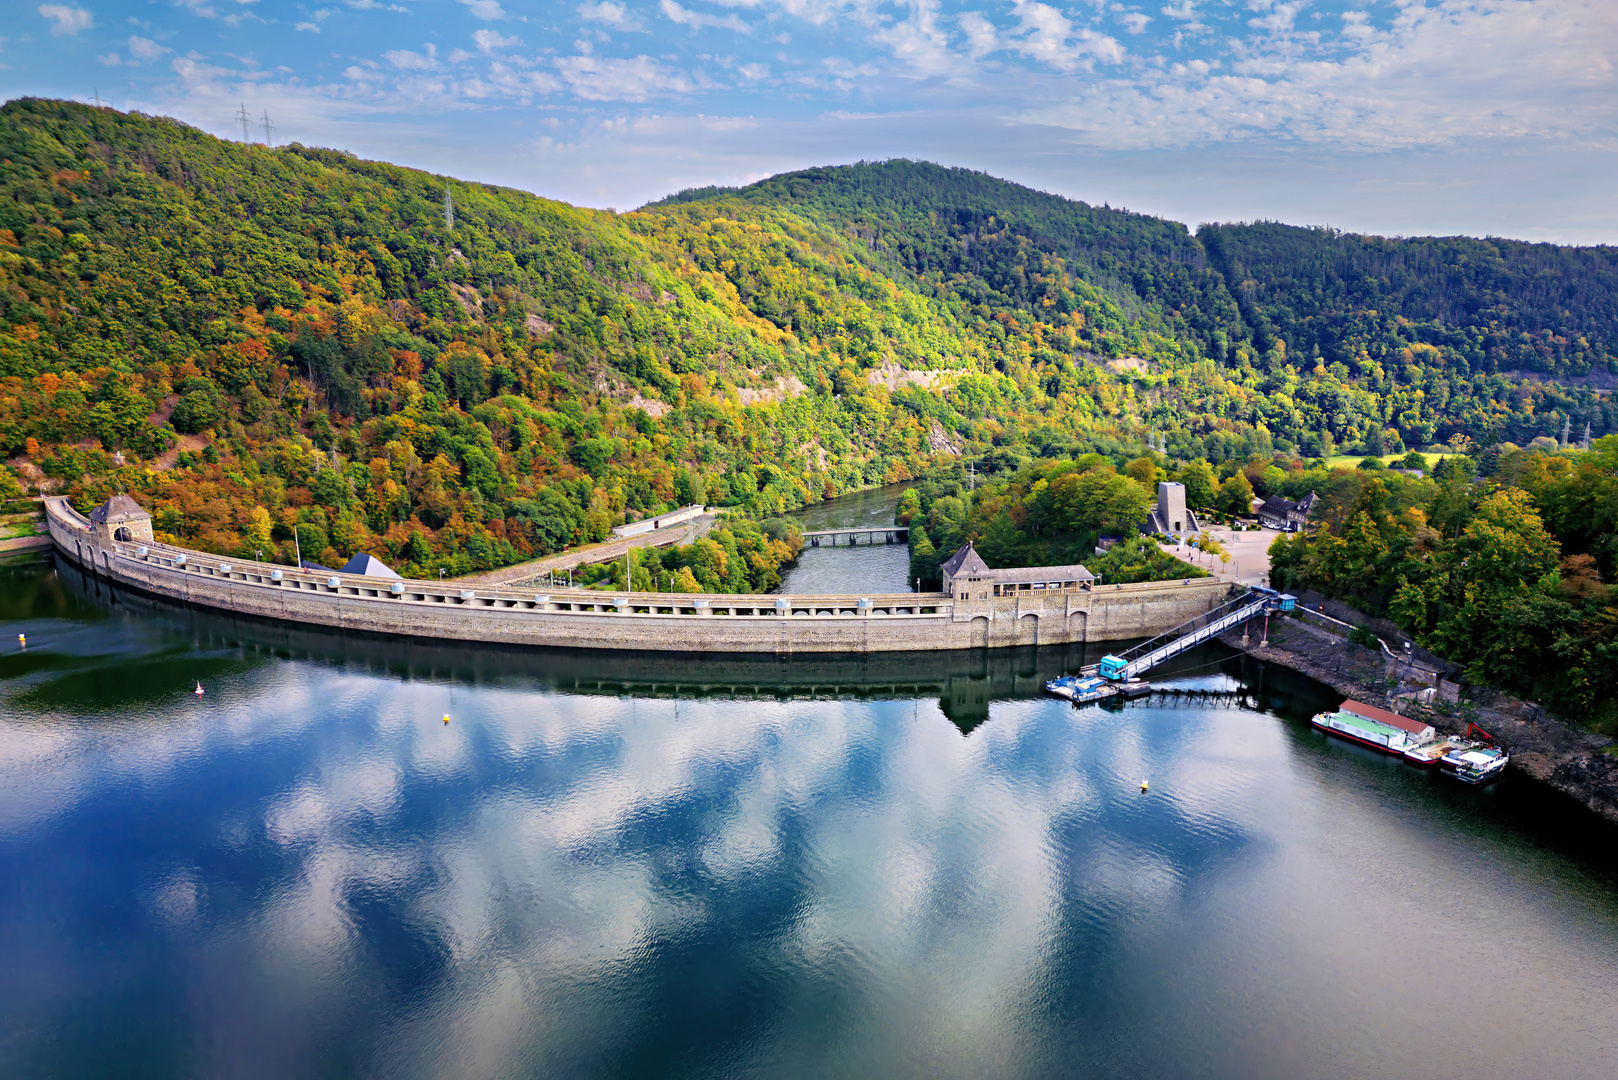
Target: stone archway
(980,632)
(1028,629)
(1078,626)
(121,534)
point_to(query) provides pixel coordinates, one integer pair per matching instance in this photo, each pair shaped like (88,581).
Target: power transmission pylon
(269,129)
(97,91)
(449,208)
(244,119)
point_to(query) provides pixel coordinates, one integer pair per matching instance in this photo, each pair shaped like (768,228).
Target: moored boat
(1079,690)
(1476,764)
(1377,728)
(1428,754)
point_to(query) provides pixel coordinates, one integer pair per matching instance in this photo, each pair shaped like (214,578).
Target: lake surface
(615,865)
(861,568)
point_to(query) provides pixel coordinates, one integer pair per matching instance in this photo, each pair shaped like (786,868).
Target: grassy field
(1349,461)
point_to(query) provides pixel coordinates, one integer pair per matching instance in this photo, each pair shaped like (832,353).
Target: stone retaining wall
(642,621)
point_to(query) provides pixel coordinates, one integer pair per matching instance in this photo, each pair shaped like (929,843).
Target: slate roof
(117,508)
(965,561)
(968,561)
(1020,574)
(367,566)
(1281,507)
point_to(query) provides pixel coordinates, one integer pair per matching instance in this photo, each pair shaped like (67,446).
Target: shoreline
(1576,763)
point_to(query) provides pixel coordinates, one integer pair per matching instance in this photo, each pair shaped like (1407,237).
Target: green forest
(1499,564)
(269,344)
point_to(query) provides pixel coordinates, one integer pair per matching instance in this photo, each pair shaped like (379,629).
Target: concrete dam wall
(579,618)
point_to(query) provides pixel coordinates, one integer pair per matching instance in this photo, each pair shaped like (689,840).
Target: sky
(1401,117)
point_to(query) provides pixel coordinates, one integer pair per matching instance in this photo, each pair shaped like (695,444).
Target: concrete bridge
(117,543)
(890,534)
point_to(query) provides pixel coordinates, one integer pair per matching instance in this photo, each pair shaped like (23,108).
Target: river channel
(629,865)
(840,568)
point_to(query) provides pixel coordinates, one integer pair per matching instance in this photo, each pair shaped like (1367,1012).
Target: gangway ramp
(1188,635)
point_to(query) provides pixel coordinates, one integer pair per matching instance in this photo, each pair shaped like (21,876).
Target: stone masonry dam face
(579,618)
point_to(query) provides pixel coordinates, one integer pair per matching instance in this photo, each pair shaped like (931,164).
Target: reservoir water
(618,865)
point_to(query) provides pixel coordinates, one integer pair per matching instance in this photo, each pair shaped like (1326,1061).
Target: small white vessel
(1476,764)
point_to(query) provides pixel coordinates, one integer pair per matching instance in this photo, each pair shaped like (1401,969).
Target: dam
(116,542)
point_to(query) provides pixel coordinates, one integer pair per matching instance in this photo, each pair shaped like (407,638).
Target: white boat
(1476,764)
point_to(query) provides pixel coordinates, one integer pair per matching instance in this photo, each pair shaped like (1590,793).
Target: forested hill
(1237,290)
(254,340)
(1496,304)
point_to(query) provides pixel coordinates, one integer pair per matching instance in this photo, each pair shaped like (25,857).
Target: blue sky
(1397,116)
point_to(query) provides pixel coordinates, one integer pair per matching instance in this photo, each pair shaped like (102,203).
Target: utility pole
(1585,445)
(244,120)
(972,472)
(1567,422)
(449,207)
(269,129)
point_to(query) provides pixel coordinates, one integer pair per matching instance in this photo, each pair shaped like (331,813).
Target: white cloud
(981,36)
(1049,37)
(1508,69)
(919,41)
(146,49)
(610,14)
(112,59)
(487,10)
(1135,22)
(699,20)
(597,78)
(1356,24)
(1185,11)
(406,60)
(307,27)
(66,20)
(488,41)
(1280,17)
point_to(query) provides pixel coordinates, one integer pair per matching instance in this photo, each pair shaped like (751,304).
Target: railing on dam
(184,563)
(578,617)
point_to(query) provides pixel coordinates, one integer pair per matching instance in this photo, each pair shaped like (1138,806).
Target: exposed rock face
(939,440)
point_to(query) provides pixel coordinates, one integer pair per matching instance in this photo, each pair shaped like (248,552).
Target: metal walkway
(1188,635)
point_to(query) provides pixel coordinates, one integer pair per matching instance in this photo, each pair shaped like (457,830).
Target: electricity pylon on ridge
(269,129)
(244,120)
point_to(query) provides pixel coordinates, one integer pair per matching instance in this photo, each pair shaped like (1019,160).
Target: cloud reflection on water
(310,867)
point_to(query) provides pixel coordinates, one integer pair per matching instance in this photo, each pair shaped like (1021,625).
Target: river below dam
(636,865)
(842,568)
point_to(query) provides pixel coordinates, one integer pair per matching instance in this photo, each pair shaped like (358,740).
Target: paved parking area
(1249,555)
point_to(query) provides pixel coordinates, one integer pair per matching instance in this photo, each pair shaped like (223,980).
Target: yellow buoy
(22,639)
(446,718)
(1143,785)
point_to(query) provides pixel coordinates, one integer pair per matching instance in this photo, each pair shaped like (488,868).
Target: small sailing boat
(198,690)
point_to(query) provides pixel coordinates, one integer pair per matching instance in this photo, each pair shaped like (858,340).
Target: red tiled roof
(1383,716)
